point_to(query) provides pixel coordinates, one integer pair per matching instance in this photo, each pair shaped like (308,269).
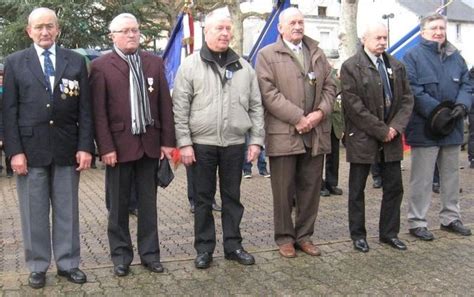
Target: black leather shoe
(394,242)
(422,233)
(334,190)
(74,275)
(324,192)
(37,280)
(154,266)
(377,183)
(216,207)
(241,256)
(203,260)
(361,245)
(121,270)
(457,227)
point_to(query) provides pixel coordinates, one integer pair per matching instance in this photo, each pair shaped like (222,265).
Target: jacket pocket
(430,85)
(278,127)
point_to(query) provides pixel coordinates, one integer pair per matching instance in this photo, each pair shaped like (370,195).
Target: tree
(83,24)
(348,36)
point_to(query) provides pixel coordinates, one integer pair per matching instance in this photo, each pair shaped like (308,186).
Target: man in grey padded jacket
(216,101)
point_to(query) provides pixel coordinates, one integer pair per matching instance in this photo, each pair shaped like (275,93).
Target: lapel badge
(76,88)
(390,73)
(311,78)
(150,84)
(228,74)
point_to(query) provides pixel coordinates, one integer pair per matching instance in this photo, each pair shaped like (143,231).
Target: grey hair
(41,10)
(215,17)
(432,17)
(287,12)
(116,21)
(371,26)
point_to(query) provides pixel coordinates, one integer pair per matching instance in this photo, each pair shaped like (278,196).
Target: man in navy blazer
(49,137)
(134,130)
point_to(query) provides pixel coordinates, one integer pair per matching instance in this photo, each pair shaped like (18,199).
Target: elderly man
(377,105)
(134,130)
(438,77)
(49,137)
(298,94)
(216,101)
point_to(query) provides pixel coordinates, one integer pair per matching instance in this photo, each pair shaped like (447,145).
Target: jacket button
(48,105)
(51,122)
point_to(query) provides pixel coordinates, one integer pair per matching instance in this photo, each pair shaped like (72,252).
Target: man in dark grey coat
(49,137)
(377,105)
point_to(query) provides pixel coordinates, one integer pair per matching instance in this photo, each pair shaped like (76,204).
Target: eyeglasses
(134,31)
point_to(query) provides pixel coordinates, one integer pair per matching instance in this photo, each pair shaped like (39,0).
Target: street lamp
(388,17)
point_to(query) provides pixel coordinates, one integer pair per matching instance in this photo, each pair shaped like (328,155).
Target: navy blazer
(46,131)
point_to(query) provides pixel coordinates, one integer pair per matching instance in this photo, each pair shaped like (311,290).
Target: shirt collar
(373,58)
(294,47)
(40,50)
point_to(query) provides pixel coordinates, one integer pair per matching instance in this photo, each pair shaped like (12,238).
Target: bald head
(291,25)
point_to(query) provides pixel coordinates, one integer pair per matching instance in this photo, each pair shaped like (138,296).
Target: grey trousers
(423,160)
(44,186)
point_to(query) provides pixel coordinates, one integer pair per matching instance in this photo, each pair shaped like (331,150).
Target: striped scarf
(139,101)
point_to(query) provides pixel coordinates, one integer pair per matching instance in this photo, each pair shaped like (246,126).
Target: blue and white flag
(270,31)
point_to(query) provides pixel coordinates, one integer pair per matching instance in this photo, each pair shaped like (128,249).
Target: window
(322,10)
(458,32)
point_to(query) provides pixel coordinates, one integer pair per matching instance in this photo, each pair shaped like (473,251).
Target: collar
(39,50)
(294,47)
(373,58)
(207,56)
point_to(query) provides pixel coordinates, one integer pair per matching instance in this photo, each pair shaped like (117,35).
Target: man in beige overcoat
(298,93)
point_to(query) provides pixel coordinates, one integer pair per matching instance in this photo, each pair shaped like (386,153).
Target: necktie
(48,70)
(387,92)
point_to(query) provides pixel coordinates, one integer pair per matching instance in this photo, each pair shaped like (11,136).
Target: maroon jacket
(109,86)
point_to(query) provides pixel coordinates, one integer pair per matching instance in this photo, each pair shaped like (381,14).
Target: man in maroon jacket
(134,130)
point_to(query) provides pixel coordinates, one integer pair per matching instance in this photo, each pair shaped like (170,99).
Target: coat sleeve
(355,109)
(182,96)
(273,100)
(98,90)
(12,142)
(466,88)
(86,125)
(328,93)
(255,111)
(165,109)
(402,116)
(424,103)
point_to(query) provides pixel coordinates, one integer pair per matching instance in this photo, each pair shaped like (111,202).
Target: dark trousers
(470,143)
(229,161)
(133,200)
(295,178)
(190,188)
(332,163)
(389,224)
(119,181)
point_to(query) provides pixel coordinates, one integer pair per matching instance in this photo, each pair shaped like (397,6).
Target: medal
(66,90)
(228,74)
(312,78)
(150,84)
(63,96)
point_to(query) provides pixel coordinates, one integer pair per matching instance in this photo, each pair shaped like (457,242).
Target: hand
(392,133)
(315,117)
(167,152)
(187,155)
(84,160)
(459,111)
(110,159)
(252,152)
(19,164)
(303,126)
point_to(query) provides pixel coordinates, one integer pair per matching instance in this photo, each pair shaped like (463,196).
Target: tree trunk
(349,39)
(237,20)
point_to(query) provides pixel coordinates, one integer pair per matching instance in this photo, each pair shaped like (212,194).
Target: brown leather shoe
(287,250)
(309,248)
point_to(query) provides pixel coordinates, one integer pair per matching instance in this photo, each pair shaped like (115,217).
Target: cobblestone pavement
(444,266)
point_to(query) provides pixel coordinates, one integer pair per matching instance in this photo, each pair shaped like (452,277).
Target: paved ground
(442,267)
